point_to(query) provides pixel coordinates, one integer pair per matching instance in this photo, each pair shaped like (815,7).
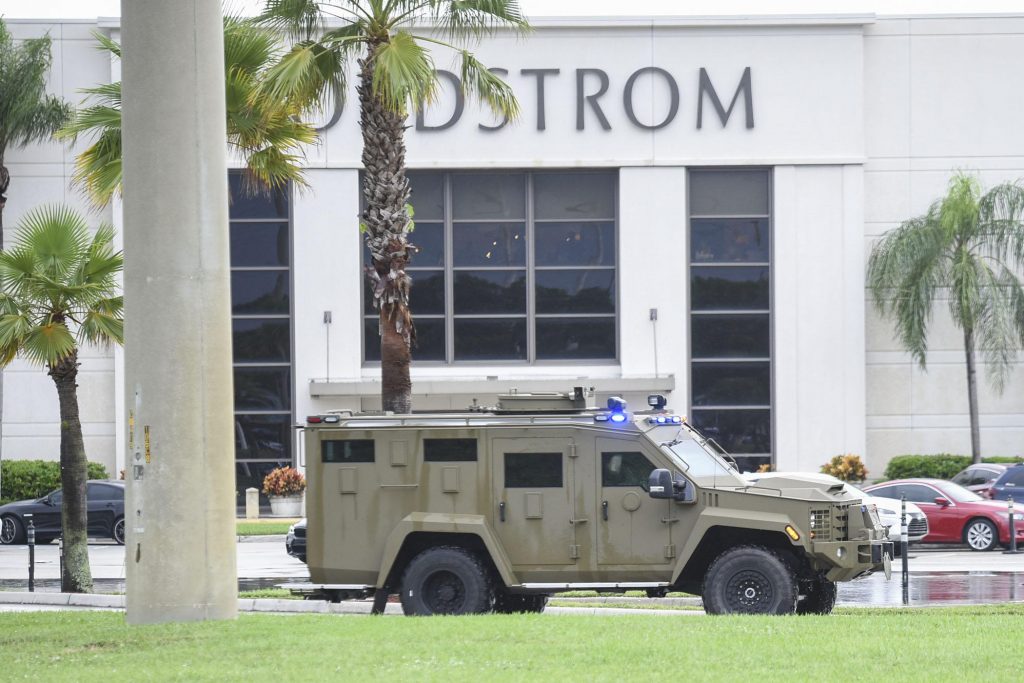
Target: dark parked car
(955,515)
(105,510)
(295,541)
(979,478)
(1011,483)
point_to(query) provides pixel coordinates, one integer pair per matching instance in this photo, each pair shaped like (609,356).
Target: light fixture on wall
(327,327)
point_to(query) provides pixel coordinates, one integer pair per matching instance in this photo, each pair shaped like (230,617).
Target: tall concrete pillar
(180,555)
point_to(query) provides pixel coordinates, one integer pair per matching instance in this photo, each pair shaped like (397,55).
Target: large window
(260,237)
(730,310)
(511,266)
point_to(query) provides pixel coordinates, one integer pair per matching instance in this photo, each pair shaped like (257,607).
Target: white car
(888,508)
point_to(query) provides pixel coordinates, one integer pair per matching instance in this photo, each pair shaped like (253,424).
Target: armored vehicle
(495,509)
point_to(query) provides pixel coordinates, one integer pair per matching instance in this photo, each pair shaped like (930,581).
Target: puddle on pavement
(935,588)
(117,585)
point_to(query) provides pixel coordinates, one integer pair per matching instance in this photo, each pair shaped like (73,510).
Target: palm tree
(58,291)
(27,113)
(268,132)
(967,249)
(395,75)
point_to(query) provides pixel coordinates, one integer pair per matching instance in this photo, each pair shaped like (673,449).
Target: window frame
(530,267)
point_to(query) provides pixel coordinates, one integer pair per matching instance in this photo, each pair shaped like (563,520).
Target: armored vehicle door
(531,481)
(632,527)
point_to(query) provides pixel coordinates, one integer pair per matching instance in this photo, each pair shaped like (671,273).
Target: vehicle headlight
(1018,516)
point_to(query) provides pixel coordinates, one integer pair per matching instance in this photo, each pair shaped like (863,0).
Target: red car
(955,515)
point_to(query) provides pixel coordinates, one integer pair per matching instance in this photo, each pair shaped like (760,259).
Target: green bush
(938,466)
(23,479)
(1005,459)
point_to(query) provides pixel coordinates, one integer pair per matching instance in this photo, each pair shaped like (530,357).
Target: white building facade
(684,206)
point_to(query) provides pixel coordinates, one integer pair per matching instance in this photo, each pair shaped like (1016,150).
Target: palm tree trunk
(972,394)
(386,192)
(5,180)
(76,576)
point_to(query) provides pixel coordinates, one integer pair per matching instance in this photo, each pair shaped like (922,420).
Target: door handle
(581,520)
(604,510)
(501,511)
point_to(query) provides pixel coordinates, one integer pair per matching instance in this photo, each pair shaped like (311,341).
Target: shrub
(938,466)
(284,481)
(1005,459)
(23,479)
(847,467)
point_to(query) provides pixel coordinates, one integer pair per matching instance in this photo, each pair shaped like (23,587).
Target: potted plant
(284,486)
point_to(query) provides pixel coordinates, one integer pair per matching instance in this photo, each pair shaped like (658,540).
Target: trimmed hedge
(938,466)
(24,479)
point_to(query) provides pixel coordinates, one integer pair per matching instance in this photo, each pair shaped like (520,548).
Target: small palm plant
(58,292)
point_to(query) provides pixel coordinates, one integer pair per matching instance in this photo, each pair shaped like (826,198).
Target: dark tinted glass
(252,201)
(490,291)
(1014,476)
(449,450)
(575,244)
(738,431)
(489,196)
(251,475)
(575,291)
(576,338)
(260,341)
(738,240)
(729,192)
(489,244)
(751,463)
(104,492)
(574,195)
(731,384)
(729,288)
(427,195)
(352,450)
(429,339)
(916,493)
(259,244)
(886,492)
(490,339)
(263,437)
(262,389)
(533,470)
(428,245)
(625,469)
(259,291)
(426,296)
(730,336)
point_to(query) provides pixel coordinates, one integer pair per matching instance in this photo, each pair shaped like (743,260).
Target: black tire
(446,580)
(749,579)
(820,598)
(12,532)
(981,534)
(118,531)
(510,603)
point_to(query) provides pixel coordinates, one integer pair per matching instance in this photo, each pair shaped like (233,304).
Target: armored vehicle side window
(449,450)
(533,470)
(625,469)
(356,450)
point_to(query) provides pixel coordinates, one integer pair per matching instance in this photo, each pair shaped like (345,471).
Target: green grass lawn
(263,527)
(924,644)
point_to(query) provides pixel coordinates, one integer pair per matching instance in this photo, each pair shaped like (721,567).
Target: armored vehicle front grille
(831,523)
(917,527)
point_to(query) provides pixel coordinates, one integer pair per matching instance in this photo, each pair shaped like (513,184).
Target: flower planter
(286,506)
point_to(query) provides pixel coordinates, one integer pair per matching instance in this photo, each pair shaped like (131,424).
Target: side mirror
(49,499)
(659,484)
(942,501)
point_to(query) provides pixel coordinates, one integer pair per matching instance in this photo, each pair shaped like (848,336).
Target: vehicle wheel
(749,580)
(11,531)
(981,534)
(119,530)
(445,580)
(820,598)
(509,603)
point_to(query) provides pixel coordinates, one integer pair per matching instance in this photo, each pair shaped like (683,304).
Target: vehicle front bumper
(845,560)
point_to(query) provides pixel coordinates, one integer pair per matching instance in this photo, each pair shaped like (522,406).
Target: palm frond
(48,344)
(469,19)
(299,19)
(403,73)
(101,328)
(490,88)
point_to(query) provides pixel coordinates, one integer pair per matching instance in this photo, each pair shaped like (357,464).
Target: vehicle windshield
(698,460)
(958,494)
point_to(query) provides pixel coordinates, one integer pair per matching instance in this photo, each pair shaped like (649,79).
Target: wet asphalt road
(939,575)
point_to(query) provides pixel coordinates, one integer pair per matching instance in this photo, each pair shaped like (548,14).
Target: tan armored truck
(494,510)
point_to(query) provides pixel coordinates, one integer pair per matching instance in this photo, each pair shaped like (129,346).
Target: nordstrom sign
(594,97)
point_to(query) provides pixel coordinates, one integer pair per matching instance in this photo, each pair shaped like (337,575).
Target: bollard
(1013,529)
(904,543)
(252,503)
(60,556)
(30,537)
